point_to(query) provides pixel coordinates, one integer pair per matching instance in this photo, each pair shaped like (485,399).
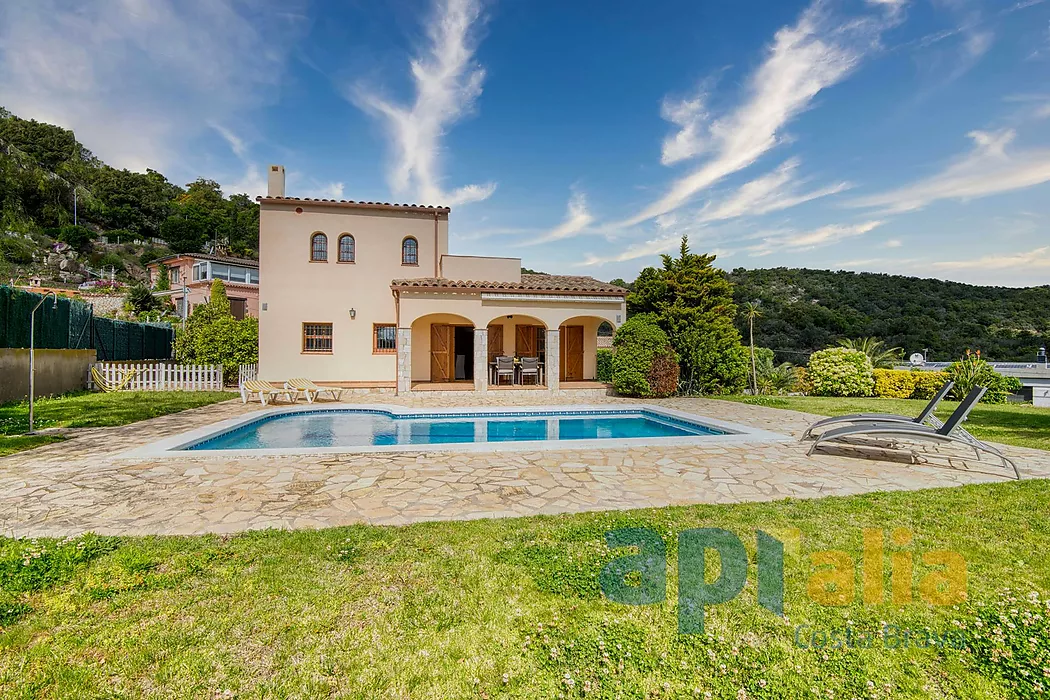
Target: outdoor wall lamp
(353,314)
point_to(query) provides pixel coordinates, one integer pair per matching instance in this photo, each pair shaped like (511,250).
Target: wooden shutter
(571,353)
(495,342)
(525,341)
(440,353)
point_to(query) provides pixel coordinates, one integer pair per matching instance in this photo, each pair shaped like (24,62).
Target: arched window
(409,251)
(319,248)
(347,249)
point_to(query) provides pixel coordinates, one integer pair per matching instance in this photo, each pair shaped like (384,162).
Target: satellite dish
(917,359)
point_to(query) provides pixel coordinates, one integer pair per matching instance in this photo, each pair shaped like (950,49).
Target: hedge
(840,372)
(603,370)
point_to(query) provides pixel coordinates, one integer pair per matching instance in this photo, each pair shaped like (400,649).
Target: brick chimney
(275,182)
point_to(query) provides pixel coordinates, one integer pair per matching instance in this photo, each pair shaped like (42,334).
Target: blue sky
(908,136)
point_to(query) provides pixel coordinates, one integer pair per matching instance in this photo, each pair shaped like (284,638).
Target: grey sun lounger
(926,414)
(949,432)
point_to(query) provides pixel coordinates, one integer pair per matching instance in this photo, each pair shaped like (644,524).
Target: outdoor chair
(312,391)
(504,368)
(949,432)
(265,390)
(925,415)
(530,367)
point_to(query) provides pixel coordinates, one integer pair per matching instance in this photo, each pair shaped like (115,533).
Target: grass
(91,410)
(497,608)
(1011,424)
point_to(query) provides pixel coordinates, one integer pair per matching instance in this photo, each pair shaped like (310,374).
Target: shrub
(894,383)
(1010,639)
(972,371)
(214,337)
(663,374)
(927,384)
(637,342)
(79,237)
(603,370)
(840,372)
(802,384)
(777,379)
(16,250)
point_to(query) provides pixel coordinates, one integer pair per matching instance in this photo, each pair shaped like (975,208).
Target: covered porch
(454,341)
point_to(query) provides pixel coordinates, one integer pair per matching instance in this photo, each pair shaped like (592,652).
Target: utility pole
(74,205)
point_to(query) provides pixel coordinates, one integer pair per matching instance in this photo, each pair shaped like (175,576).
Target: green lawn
(91,410)
(1011,424)
(500,609)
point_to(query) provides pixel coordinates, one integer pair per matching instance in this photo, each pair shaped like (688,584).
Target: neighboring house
(363,293)
(190,276)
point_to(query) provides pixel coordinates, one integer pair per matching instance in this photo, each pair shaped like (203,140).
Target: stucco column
(404,360)
(552,365)
(481,359)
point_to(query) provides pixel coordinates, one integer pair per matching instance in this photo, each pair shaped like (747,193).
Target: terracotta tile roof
(349,203)
(245,262)
(529,283)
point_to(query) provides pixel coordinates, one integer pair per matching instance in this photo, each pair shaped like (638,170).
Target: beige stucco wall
(295,290)
(57,372)
(469,267)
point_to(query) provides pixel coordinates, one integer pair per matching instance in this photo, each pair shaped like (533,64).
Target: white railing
(160,377)
(246,373)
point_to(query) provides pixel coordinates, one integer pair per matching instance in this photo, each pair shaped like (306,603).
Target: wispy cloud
(577,219)
(817,52)
(989,168)
(655,246)
(140,79)
(448,82)
(774,191)
(797,241)
(1028,260)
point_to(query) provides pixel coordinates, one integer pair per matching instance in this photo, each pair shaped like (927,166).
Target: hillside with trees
(44,169)
(806,310)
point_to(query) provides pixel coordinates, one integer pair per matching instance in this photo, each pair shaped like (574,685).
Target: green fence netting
(71,324)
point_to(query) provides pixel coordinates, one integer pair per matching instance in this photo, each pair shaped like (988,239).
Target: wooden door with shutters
(525,341)
(571,353)
(495,342)
(441,353)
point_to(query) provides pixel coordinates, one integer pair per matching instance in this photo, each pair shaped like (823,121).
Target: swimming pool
(381,428)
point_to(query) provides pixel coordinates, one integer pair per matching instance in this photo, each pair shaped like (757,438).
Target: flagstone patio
(81,485)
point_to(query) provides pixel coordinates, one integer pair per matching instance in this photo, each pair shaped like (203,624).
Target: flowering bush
(1010,639)
(972,370)
(927,384)
(840,372)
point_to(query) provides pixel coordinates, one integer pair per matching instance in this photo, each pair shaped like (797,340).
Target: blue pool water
(360,428)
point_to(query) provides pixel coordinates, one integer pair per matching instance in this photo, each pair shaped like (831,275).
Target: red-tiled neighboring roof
(529,283)
(244,262)
(349,203)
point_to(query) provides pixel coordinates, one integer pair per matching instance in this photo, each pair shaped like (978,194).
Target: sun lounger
(926,415)
(311,390)
(265,390)
(949,432)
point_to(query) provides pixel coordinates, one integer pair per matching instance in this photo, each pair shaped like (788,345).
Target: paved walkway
(79,486)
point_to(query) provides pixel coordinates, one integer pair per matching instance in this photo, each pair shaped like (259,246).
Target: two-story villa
(364,293)
(190,276)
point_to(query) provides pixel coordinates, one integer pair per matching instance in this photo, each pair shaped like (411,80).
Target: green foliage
(840,372)
(16,250)
(894,383)
(139,299)
(78,237)
(214,337)
(34,565)
(881,357)
(774,378)
(41,166)
(1009,639)
(693,303)
(972,371)
(603,370)
(637,342)
(111,261)
(806,310)
(927,384)
(163,279)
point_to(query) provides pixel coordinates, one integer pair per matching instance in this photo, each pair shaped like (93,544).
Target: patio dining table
(541,379)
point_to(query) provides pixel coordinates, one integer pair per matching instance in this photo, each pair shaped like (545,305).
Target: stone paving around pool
(80,485)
